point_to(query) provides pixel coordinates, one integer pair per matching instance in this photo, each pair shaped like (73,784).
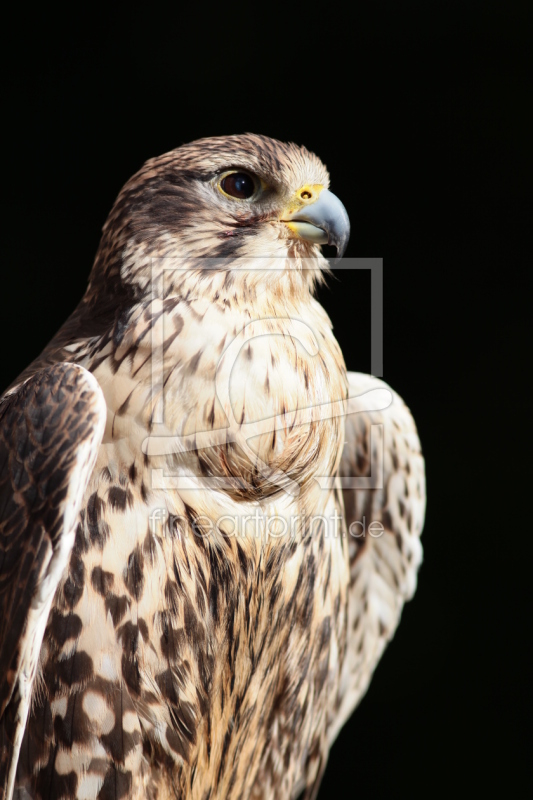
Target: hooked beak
(324,221)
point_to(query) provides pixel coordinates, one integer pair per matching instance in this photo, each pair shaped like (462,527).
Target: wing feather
(50,431)
(384,558)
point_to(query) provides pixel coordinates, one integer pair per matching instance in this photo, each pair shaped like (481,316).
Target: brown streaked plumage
(50,430)
(185,648)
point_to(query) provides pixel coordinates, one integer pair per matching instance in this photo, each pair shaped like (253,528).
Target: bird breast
(228,391)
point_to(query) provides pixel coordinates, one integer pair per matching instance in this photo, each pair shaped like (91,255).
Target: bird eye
(238,184)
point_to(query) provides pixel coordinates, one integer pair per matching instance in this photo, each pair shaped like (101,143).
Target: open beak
(322,221)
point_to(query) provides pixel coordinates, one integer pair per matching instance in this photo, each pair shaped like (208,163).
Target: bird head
(222,201)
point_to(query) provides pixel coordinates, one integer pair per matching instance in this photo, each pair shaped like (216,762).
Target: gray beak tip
(341,244)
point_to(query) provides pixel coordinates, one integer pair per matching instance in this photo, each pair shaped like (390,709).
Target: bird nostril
(305,195)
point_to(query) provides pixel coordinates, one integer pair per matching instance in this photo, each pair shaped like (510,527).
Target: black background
(419,110)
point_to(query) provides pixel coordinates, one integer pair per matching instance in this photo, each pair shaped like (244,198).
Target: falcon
(208,528)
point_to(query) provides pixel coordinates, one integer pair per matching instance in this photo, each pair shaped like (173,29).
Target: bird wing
(51,427)
(384,556)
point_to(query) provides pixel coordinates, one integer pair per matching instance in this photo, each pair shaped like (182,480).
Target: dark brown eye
(238,184)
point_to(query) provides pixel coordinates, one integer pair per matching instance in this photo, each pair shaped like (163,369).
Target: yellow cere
(306,195)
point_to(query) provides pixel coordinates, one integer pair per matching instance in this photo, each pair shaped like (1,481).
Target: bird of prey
(191,605)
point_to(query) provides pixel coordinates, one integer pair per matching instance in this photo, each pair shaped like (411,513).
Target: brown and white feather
(186,656)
